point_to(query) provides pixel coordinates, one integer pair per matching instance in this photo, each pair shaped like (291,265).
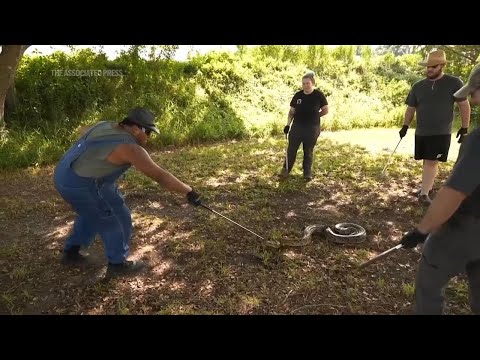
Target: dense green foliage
(210,97)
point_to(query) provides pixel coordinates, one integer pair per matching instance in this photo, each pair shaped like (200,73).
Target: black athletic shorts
(434,147)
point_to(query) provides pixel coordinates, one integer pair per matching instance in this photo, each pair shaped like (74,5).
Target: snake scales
(343,233)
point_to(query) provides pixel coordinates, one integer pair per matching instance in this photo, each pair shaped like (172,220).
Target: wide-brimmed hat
(472,84)
(434,58)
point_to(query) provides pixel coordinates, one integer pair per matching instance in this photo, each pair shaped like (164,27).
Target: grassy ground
(201,264)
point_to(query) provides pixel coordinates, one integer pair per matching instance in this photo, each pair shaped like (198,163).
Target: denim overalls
(98,203)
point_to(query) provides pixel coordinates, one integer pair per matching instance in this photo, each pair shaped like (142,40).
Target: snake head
(273,244)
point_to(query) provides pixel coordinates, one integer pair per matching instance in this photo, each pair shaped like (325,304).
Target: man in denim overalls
(451,226)
(85,178)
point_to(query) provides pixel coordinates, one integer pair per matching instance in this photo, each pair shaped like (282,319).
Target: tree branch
(448,48)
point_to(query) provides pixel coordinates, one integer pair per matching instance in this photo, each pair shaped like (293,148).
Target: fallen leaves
(201,263)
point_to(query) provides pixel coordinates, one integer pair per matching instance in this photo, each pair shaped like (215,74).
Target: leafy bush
(211,97)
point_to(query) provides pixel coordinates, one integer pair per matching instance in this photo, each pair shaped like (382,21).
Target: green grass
(24,148)
(206,265)
(408,290)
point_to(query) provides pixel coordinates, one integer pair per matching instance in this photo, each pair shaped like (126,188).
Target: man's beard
(434,74)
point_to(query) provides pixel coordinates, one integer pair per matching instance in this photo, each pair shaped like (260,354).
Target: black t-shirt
(434,103)
(465,176)
(307,107)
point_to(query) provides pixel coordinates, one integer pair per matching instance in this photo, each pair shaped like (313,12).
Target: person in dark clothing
(86,178)
(306,108)
(433,101)
(451,227)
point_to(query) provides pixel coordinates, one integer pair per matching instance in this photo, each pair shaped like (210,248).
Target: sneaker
(430,193)
(128,267)
(73,256)
(425,199)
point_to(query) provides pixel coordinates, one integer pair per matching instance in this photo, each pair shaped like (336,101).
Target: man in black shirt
(432,100)
(306,108)
(451,226)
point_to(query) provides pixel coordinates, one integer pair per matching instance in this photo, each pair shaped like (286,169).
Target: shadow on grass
(200,263)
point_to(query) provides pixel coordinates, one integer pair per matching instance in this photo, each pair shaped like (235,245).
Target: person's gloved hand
(286,129)
(461,133)
(403,131)
(412,239)
(194,198)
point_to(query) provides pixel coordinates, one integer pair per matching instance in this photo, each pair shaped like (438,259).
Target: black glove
(412,239)
(461,133)
(194,198)
(403,131)
(286,129)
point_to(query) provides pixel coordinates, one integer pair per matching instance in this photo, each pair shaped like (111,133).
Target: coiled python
(343,233)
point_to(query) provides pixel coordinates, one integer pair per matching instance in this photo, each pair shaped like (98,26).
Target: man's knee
(430,163)
(428,289)
(124,217)
(423,281)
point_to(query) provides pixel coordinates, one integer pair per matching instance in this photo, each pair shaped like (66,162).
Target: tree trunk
(11,100)
(9,59)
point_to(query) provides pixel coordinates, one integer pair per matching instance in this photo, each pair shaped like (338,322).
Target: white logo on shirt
(299,101)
